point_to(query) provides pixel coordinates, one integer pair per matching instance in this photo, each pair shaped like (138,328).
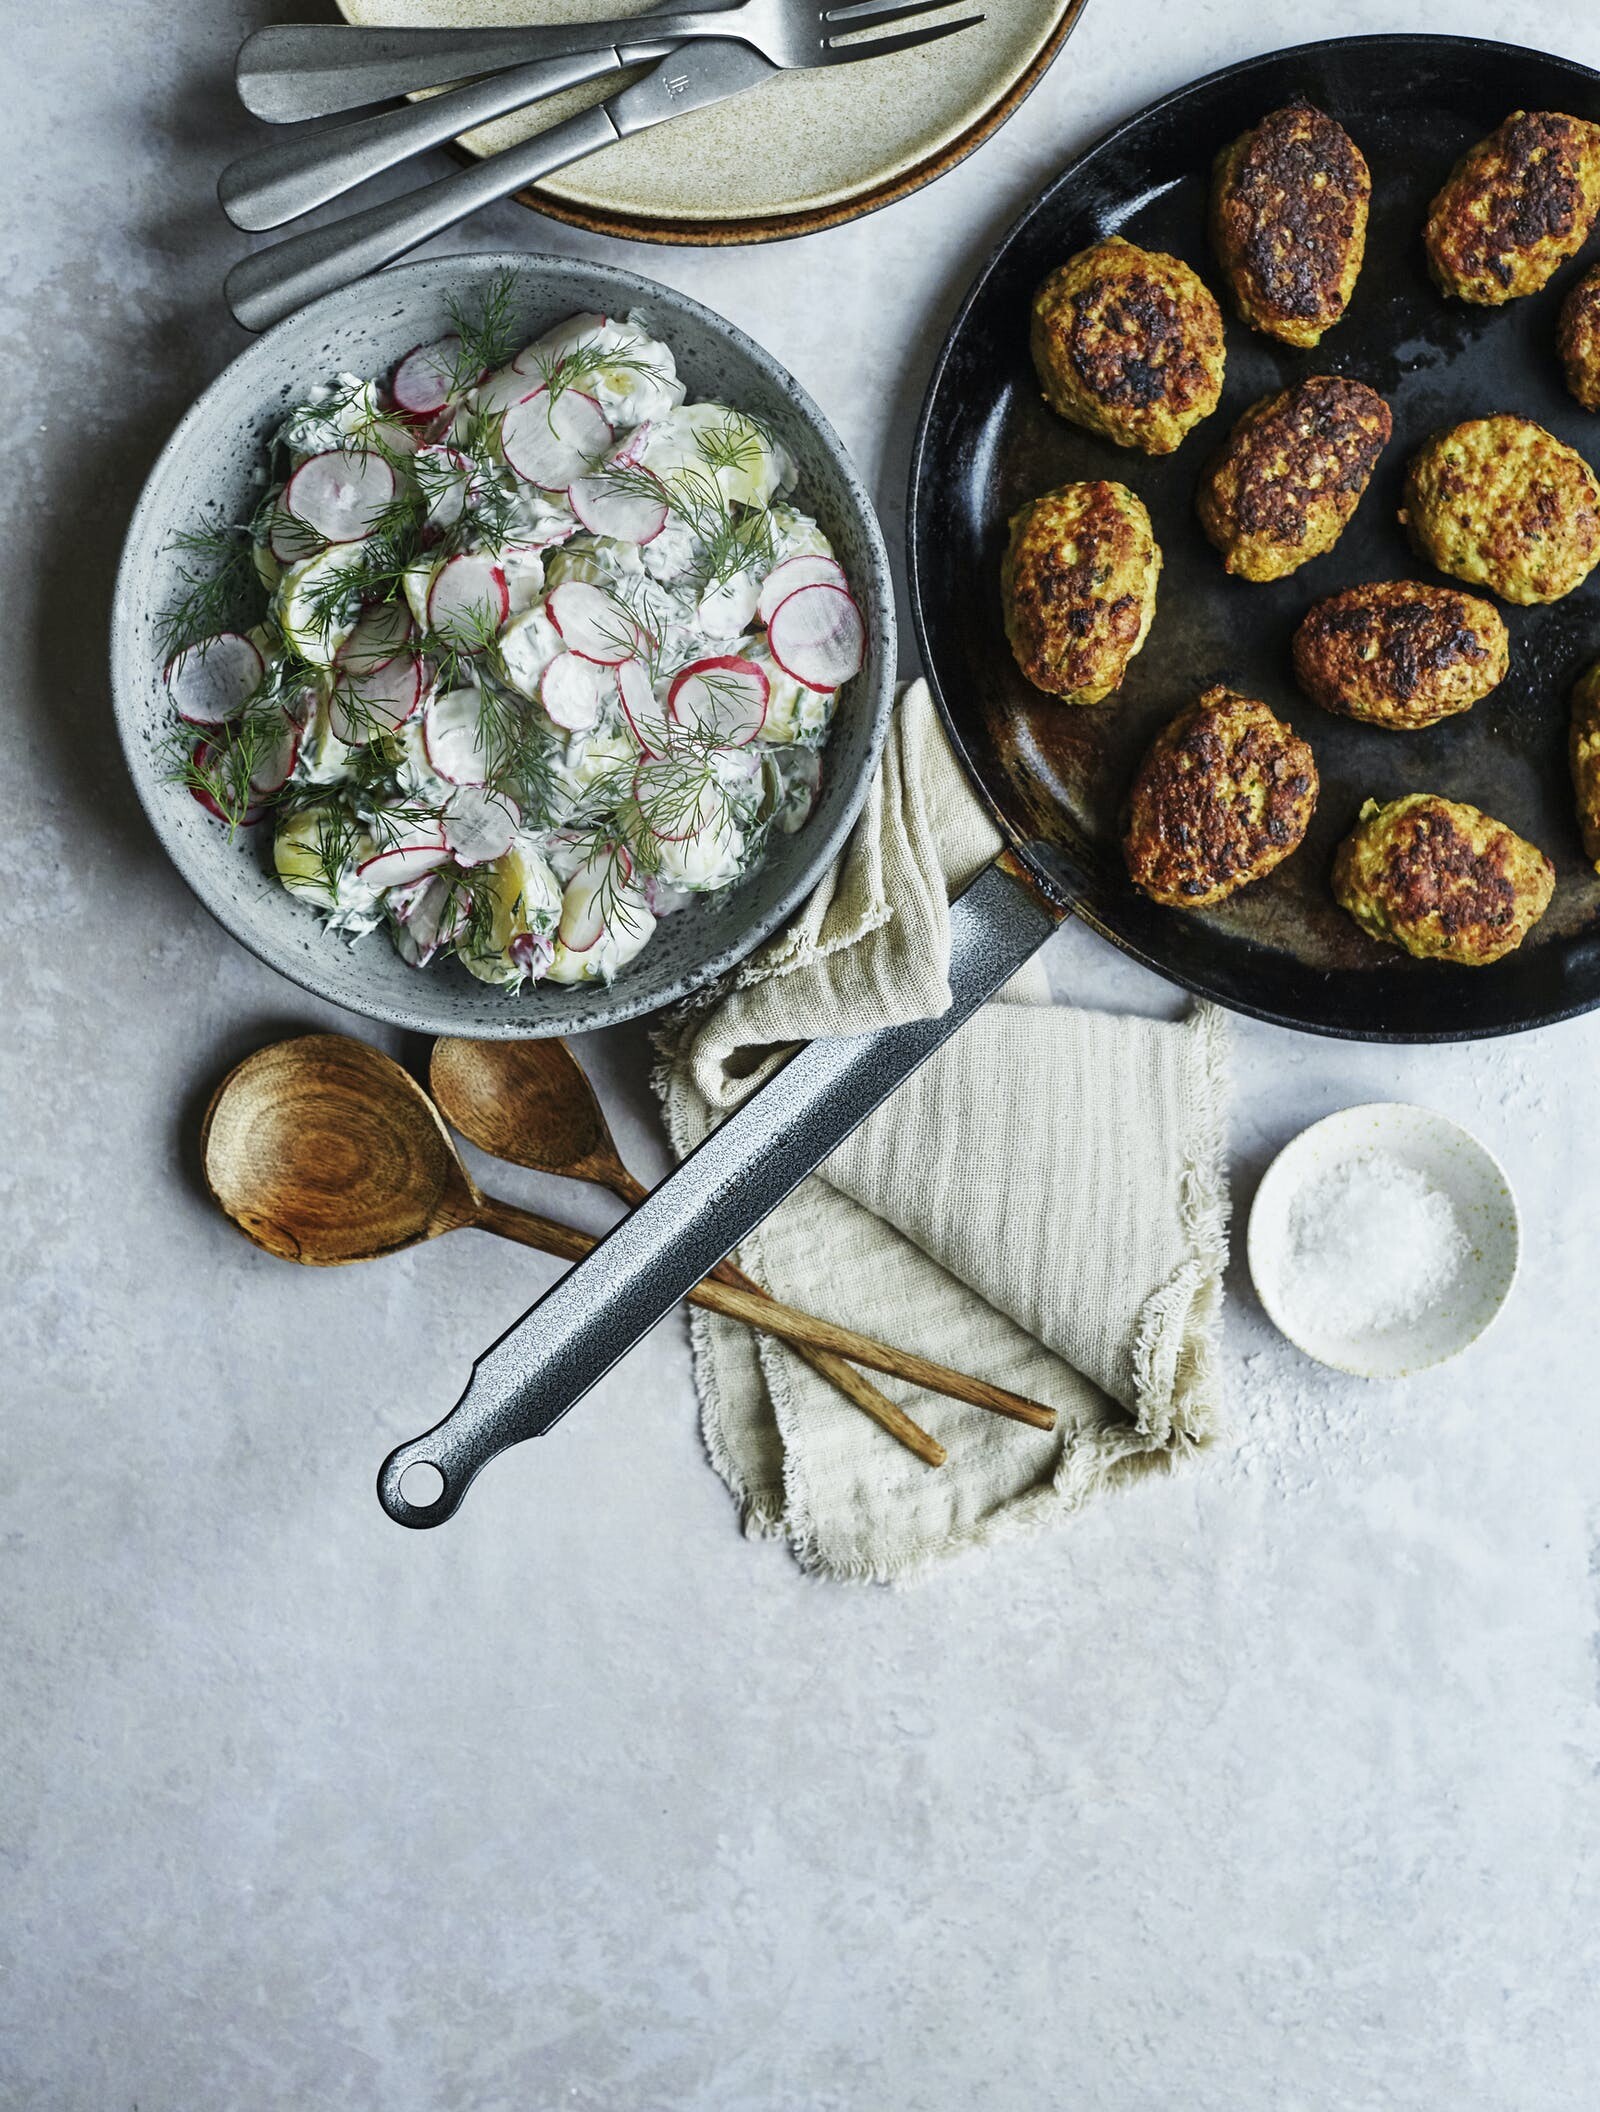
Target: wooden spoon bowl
(324,1151)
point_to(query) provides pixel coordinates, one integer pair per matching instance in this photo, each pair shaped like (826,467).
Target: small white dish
(1449,1158)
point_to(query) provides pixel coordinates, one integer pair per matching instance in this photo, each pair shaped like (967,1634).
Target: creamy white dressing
(617,810)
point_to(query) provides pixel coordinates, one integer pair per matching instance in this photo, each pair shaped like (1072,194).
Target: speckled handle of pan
(564,1345)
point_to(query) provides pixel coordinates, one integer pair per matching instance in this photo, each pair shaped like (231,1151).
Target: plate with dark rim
(1056,776)
(806,151)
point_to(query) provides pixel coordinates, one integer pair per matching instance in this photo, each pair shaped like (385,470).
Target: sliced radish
(382,632)
(425,379)
(432,913)
(479,825)
(501,391)
(532,951)
(725,696)
(393,438)
(611,507)
(276,765)
(817,635)
(452,737)
(367,705)
(558,344)
(290,541)
(631,453)
(444,477)
(728,606)
(644,714)
(548,440)
(200,758)
(570,689)
(582,913)
(412,857)
(658,793)
(342,493)
(468,596)
(212,681)
(812,570)
(594,623)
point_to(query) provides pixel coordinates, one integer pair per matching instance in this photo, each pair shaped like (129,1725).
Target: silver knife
(263,288)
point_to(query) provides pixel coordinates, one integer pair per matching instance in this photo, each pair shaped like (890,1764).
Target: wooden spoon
(531,1102)
(324,1151)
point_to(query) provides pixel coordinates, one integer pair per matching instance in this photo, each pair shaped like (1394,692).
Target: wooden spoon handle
(835,1370)
(805,1330)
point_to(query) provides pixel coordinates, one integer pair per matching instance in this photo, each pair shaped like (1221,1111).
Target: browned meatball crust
(1128,343)
(1400,653)
(1079,586)
(1292,473)
(1289,221)
(1441,879)
(1224,794)
(1585,754)
(1578,339)
(1515,207)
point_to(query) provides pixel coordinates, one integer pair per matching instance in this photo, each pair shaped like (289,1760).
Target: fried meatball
(1079,581)
(1289,221)
(1442,880)
(1585,752)
(1128,343)
(1515,207)
(1578,339)
(1224,794)
(1400,653)
(1291,474)
(1503,504)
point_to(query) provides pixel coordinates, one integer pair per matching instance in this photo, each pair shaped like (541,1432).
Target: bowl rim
(1274,1177)
(536,1021)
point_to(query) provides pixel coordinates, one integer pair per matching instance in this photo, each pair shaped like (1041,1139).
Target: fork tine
(836,54)
(861,14)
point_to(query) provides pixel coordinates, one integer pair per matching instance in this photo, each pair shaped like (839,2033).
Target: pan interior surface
(1056,775)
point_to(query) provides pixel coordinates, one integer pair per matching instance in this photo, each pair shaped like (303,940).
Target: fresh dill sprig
(489,338)
(216,569)
(560,371)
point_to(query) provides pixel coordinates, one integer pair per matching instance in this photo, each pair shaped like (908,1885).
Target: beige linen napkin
(1044,1204)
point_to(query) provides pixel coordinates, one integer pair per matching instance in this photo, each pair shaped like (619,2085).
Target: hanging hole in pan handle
(416,1487)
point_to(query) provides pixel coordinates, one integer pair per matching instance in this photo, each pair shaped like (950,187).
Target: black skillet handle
(599,1309)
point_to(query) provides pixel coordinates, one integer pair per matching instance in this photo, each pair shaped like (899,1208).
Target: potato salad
(520,652)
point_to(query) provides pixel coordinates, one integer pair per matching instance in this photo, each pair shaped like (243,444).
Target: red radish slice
(468,596)
(602,874)
(444,477)
(548,440)
(570,690)
(631,453)
(501,391)
(532,951)
(272,772)
(645,716)
(393,438)
(212,681)
(290,541)
(200,758)
(425,379)
(812,570)
(432,914)
(608,506)
(725,696)
(479,825)
(817,635)
(412,857)
(452,737)
(363,707)
(381,634)
(559,343)
(594,623)
(342,493)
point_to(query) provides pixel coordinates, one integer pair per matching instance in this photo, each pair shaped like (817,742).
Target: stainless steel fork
(309,69)
(263,288)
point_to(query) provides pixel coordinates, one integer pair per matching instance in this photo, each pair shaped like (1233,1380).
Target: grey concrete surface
(1272,1786)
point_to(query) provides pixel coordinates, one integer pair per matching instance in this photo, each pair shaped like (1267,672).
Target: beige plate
(805,152)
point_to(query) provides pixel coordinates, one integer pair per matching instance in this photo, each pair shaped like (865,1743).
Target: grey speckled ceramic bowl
(206,467)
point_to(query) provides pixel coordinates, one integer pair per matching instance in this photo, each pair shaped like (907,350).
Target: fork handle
(263,288)
(315,69)
(295,175)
